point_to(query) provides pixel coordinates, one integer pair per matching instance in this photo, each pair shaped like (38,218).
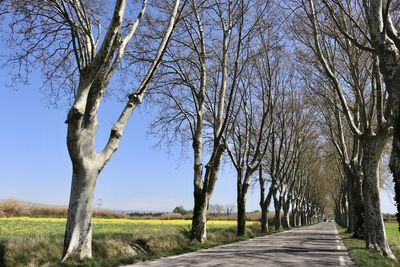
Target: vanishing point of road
(315,245)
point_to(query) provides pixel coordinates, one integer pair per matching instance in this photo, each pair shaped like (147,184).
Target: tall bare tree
(385,38)
(63,37)
(362,78)
(249,137)
(197,87)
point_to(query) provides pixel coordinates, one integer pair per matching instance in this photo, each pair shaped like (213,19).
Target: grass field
(38,241)
(369,258)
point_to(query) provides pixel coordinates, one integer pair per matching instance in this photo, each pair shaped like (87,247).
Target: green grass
(39,241)
(367,257)
(393,236)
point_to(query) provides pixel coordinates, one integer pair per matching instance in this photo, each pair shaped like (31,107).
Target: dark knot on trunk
(115,133)
(73,116)
(134,99)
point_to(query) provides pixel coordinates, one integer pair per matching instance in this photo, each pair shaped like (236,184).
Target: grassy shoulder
(367,257)
(39,241)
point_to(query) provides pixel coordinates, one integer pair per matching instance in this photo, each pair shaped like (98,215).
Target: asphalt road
(316,245)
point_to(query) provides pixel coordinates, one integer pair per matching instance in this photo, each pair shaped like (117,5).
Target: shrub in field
(11,207)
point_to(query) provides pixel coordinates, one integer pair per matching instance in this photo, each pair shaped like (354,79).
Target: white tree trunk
(375,235)
(78,232)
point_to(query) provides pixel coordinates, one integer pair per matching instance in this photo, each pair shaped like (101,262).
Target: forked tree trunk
(203,191)
(375,235)
(78,231)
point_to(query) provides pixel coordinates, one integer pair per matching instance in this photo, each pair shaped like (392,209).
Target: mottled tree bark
(375,235)
(78,232)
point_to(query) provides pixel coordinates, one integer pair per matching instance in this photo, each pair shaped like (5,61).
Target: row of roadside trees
(269,86)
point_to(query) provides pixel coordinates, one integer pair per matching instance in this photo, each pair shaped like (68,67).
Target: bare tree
(64,38)
(248,140)
(374,125)
(197,88)
(383,31)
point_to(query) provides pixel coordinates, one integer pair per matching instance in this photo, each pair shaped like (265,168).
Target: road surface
(316,245)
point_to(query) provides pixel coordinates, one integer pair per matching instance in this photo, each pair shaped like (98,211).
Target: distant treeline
(17,208)
(387,217)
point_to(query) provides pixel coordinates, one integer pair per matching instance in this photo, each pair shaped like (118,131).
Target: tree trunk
(242,189)
(358,204)
(300,221)
(286,222)
(278,219)
(241,216)
(203,191)
(294,215)
(375,235)
(264,220)
(78,232)
(395,164)
(199,220)
(344,211)
(349,192)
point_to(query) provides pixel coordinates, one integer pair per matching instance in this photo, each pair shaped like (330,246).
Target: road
(316,245)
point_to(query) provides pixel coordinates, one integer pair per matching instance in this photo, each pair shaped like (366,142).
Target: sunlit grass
(393,236)
(38,241)
(363,257)
(29,227)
